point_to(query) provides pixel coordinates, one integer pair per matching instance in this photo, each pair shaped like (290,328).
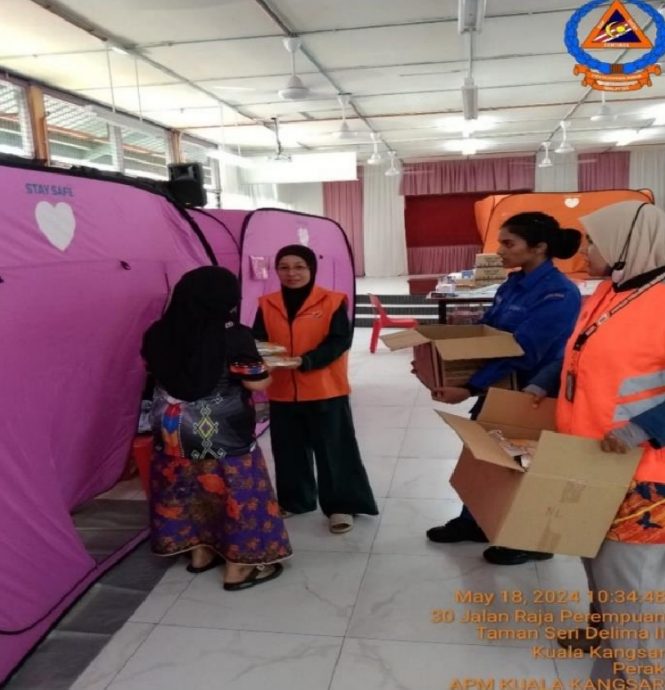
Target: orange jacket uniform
(307,331)
(620,371)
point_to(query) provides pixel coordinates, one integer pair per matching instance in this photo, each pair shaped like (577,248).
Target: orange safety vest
(307,331)
(619,372)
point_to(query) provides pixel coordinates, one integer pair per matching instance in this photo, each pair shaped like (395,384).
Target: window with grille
(77,136)
(15,131)
(191,152)
(144,154)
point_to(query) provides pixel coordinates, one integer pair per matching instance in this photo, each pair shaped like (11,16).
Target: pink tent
(85,267)
(86,264)
(246,242)
(223,238)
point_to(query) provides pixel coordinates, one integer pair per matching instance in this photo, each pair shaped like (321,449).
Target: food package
(269,349)
(520,449)
(281,361)
(488,261)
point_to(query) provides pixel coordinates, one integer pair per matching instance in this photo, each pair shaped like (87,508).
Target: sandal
(285,513)
(212,563)
(340,523)
(254,577)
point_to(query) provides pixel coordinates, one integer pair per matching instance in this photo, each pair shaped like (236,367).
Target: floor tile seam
(431,500)
(401,445)
(385,498)
(249,630)
(57,632)
(320,551)
(432,642)
(358,590)
(121,588)
(130,657)
(188,584)
(381,638)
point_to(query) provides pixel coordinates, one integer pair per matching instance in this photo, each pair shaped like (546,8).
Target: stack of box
(489,270)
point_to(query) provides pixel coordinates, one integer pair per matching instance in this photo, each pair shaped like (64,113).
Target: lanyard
(583,338)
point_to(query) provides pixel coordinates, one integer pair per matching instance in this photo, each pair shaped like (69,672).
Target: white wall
(303,197)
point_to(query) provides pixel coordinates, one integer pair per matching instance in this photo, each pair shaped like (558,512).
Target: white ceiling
(402,61)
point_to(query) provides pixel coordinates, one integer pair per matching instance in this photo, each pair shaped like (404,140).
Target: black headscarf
(294,298)
(186,349)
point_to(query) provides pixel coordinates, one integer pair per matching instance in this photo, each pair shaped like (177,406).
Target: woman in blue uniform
(539,306)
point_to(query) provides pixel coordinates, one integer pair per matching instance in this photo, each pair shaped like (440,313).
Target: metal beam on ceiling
(73,18)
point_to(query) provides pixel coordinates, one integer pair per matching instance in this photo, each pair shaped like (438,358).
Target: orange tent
(567,207)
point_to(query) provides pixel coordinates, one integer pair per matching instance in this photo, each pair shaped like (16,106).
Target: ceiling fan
(375,158)
(280,156)
(547,162)
(607,115)
(393,170)
(294,89)
(345,133)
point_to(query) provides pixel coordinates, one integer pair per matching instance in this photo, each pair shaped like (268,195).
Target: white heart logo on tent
(57,223)
(572,202)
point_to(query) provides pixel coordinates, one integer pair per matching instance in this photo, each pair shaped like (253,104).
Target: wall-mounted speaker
(186,183)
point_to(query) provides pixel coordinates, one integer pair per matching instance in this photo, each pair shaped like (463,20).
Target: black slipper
(253,578)
(214,562)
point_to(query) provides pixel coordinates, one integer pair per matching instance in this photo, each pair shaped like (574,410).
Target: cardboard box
(564,503)
(448,355)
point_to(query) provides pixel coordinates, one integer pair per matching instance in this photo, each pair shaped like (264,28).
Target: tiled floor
(350,612)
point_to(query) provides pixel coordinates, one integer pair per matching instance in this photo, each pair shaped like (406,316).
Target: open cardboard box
(450,355)
(564,503)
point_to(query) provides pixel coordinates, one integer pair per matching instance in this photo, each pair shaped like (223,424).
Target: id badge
(570,386)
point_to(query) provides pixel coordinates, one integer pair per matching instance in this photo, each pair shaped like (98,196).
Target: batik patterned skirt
(227,504)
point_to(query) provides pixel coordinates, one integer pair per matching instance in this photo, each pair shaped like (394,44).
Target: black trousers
(320,431)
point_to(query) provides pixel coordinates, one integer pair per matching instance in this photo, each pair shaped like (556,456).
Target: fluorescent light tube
(470,99)
(470,15)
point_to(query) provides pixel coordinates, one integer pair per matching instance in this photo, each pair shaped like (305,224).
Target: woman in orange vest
(310,415)
(613,390)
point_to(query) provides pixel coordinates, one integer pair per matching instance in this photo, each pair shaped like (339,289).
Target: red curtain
(441,232)
(441,220)
(487,175)
(599,171)
(343,202)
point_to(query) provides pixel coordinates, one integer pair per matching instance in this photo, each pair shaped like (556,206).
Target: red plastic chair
(382,320)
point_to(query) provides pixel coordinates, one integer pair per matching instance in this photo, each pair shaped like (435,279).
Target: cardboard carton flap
(479,442)
(510,408)
(484,347)
(581,460)
(403,339)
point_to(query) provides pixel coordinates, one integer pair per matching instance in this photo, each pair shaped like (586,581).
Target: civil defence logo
(617,30)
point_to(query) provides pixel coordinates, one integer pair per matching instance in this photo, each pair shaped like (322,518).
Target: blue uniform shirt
(540,310)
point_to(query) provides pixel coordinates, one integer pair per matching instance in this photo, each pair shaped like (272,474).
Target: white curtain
(383,223)
(647,171)
(560,177)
